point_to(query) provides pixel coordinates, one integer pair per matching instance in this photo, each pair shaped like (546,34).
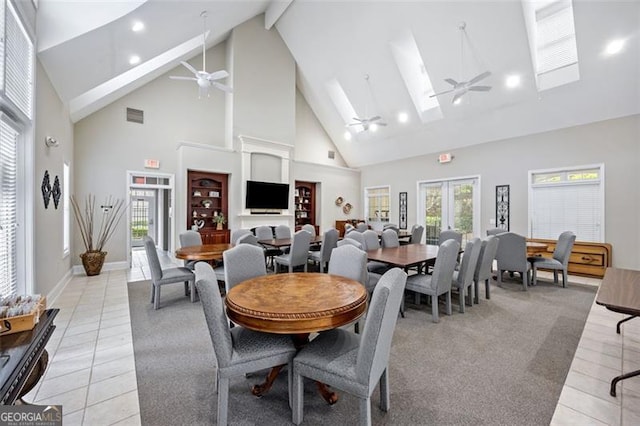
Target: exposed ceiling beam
(274,12)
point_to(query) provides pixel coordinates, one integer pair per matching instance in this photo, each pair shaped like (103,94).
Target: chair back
(445,264)
(391,226)
(264,232)
(348,241)
(512,252)
(348,227)
(283,231)
(190,238)
(359,238)
(152,258)
(390,238)
(300,248)
(416,234)
(361,227)
(241,263)
(350,262)
(310,229)
(469,262)
(371,239)
(236,234)
(375,343)
(248,239)
(329,242)
(495,231)
(564,246)
(485,261)
(450,234)
(214,313)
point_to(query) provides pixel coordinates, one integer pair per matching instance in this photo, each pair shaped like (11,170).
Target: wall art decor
(403,211)
(46,189)
(502,207)
(56,192)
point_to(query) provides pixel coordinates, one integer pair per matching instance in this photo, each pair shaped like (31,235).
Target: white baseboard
(109,266)
(53,294)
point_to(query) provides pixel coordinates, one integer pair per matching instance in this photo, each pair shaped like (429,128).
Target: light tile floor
(91,368)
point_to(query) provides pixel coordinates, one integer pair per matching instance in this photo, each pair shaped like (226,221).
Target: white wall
(616,143)
(52,119)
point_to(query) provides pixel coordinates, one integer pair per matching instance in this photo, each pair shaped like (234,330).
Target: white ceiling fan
(462,87)
(368,122)
(205,79)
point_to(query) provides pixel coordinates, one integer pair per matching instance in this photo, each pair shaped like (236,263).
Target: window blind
(18,62)
(567,207)
(8,207)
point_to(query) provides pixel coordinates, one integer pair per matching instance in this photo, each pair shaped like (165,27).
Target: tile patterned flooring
(91,368)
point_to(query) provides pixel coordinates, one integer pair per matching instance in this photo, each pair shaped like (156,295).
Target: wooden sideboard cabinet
(589,259)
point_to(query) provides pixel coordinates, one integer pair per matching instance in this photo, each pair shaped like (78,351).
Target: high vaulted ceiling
(339,42)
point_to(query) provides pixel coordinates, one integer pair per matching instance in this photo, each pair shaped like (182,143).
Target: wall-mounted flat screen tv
(267,195)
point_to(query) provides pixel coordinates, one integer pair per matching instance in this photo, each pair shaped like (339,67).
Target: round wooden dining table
(297,304)
(204,252)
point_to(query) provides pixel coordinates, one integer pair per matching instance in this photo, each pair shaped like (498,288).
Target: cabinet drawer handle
(587,258)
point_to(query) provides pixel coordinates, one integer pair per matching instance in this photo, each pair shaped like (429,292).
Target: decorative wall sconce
(51,142)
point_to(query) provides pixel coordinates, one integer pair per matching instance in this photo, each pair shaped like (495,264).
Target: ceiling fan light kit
(204,79)
(460,88)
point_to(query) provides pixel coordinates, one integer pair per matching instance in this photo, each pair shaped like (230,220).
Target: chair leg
(487,287)
(417,298)
(153,292)
(499,277)
(223,400)
(306,264)
(564,278)
(534,274)
(298,399)
(476,290)
(461,299)
(365,411)
(448,300)
(321,267)
(156,301)
(434,309)
(385,400)
(290,382)
(555,276)
(525,280)
(186,288)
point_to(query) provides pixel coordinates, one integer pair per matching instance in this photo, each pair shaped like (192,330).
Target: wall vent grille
(332,154)
(135,115)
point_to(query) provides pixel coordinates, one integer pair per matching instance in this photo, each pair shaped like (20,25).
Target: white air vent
(135,115)
(332,155)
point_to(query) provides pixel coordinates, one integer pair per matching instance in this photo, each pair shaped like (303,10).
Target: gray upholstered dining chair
(484,266)
(462,279)
(266,233)
(348,227)
(350,362)
(236,234)
(439,282)
(559,260)
(361,227)
(283,231)
(329,242)
(160,277)
(449,234)
(390,238)
(249,239)
(310,229)
(512,256)
(495,231)
(298,254)
(354,235)
(351,242)
(416,234)
(372,242)
(241,263)
(189,239)
(391,226)
(238,350)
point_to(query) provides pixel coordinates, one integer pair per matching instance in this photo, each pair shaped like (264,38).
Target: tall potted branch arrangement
(112,211)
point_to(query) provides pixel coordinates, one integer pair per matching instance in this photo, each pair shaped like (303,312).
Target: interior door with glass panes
(453,204)
(143,215)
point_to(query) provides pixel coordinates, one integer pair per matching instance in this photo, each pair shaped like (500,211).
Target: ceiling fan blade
(189,67)
(217,75)
(479,77)
(222,87)
(354,124)
(375,118)
(380,124)
(441,93)
(176,77)
(357,119)
(451,81)
(480,88)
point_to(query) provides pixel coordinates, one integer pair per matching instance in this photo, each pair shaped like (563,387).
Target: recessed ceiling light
(347,135)
(373,127)
(512,81)
(614,46)
(403,117)
(457,101)
(137,27)
(134,59)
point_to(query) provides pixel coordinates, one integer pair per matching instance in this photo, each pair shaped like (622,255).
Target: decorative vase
(92,262)
(219,226)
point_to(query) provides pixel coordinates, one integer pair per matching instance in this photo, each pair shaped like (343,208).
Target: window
(570,199)
(66,225)
(377,204)
(8,206)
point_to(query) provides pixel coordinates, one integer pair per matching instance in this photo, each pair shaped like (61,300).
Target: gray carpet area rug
(503,362)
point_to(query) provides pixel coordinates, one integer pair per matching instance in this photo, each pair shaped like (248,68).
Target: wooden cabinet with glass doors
(207,205)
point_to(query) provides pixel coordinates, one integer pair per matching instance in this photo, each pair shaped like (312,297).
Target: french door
(450,204)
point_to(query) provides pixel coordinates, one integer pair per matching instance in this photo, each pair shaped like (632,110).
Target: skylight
(416,79)
(552,40)
(341,101)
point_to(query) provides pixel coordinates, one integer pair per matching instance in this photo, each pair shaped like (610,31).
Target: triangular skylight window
(552,40)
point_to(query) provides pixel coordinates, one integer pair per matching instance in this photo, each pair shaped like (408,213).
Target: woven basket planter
(93,261)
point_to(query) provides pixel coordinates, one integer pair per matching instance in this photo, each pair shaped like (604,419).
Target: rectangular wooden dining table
(286,242)
(405,256)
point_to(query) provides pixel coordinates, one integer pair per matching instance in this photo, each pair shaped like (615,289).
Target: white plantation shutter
(18,62)
(8,207)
